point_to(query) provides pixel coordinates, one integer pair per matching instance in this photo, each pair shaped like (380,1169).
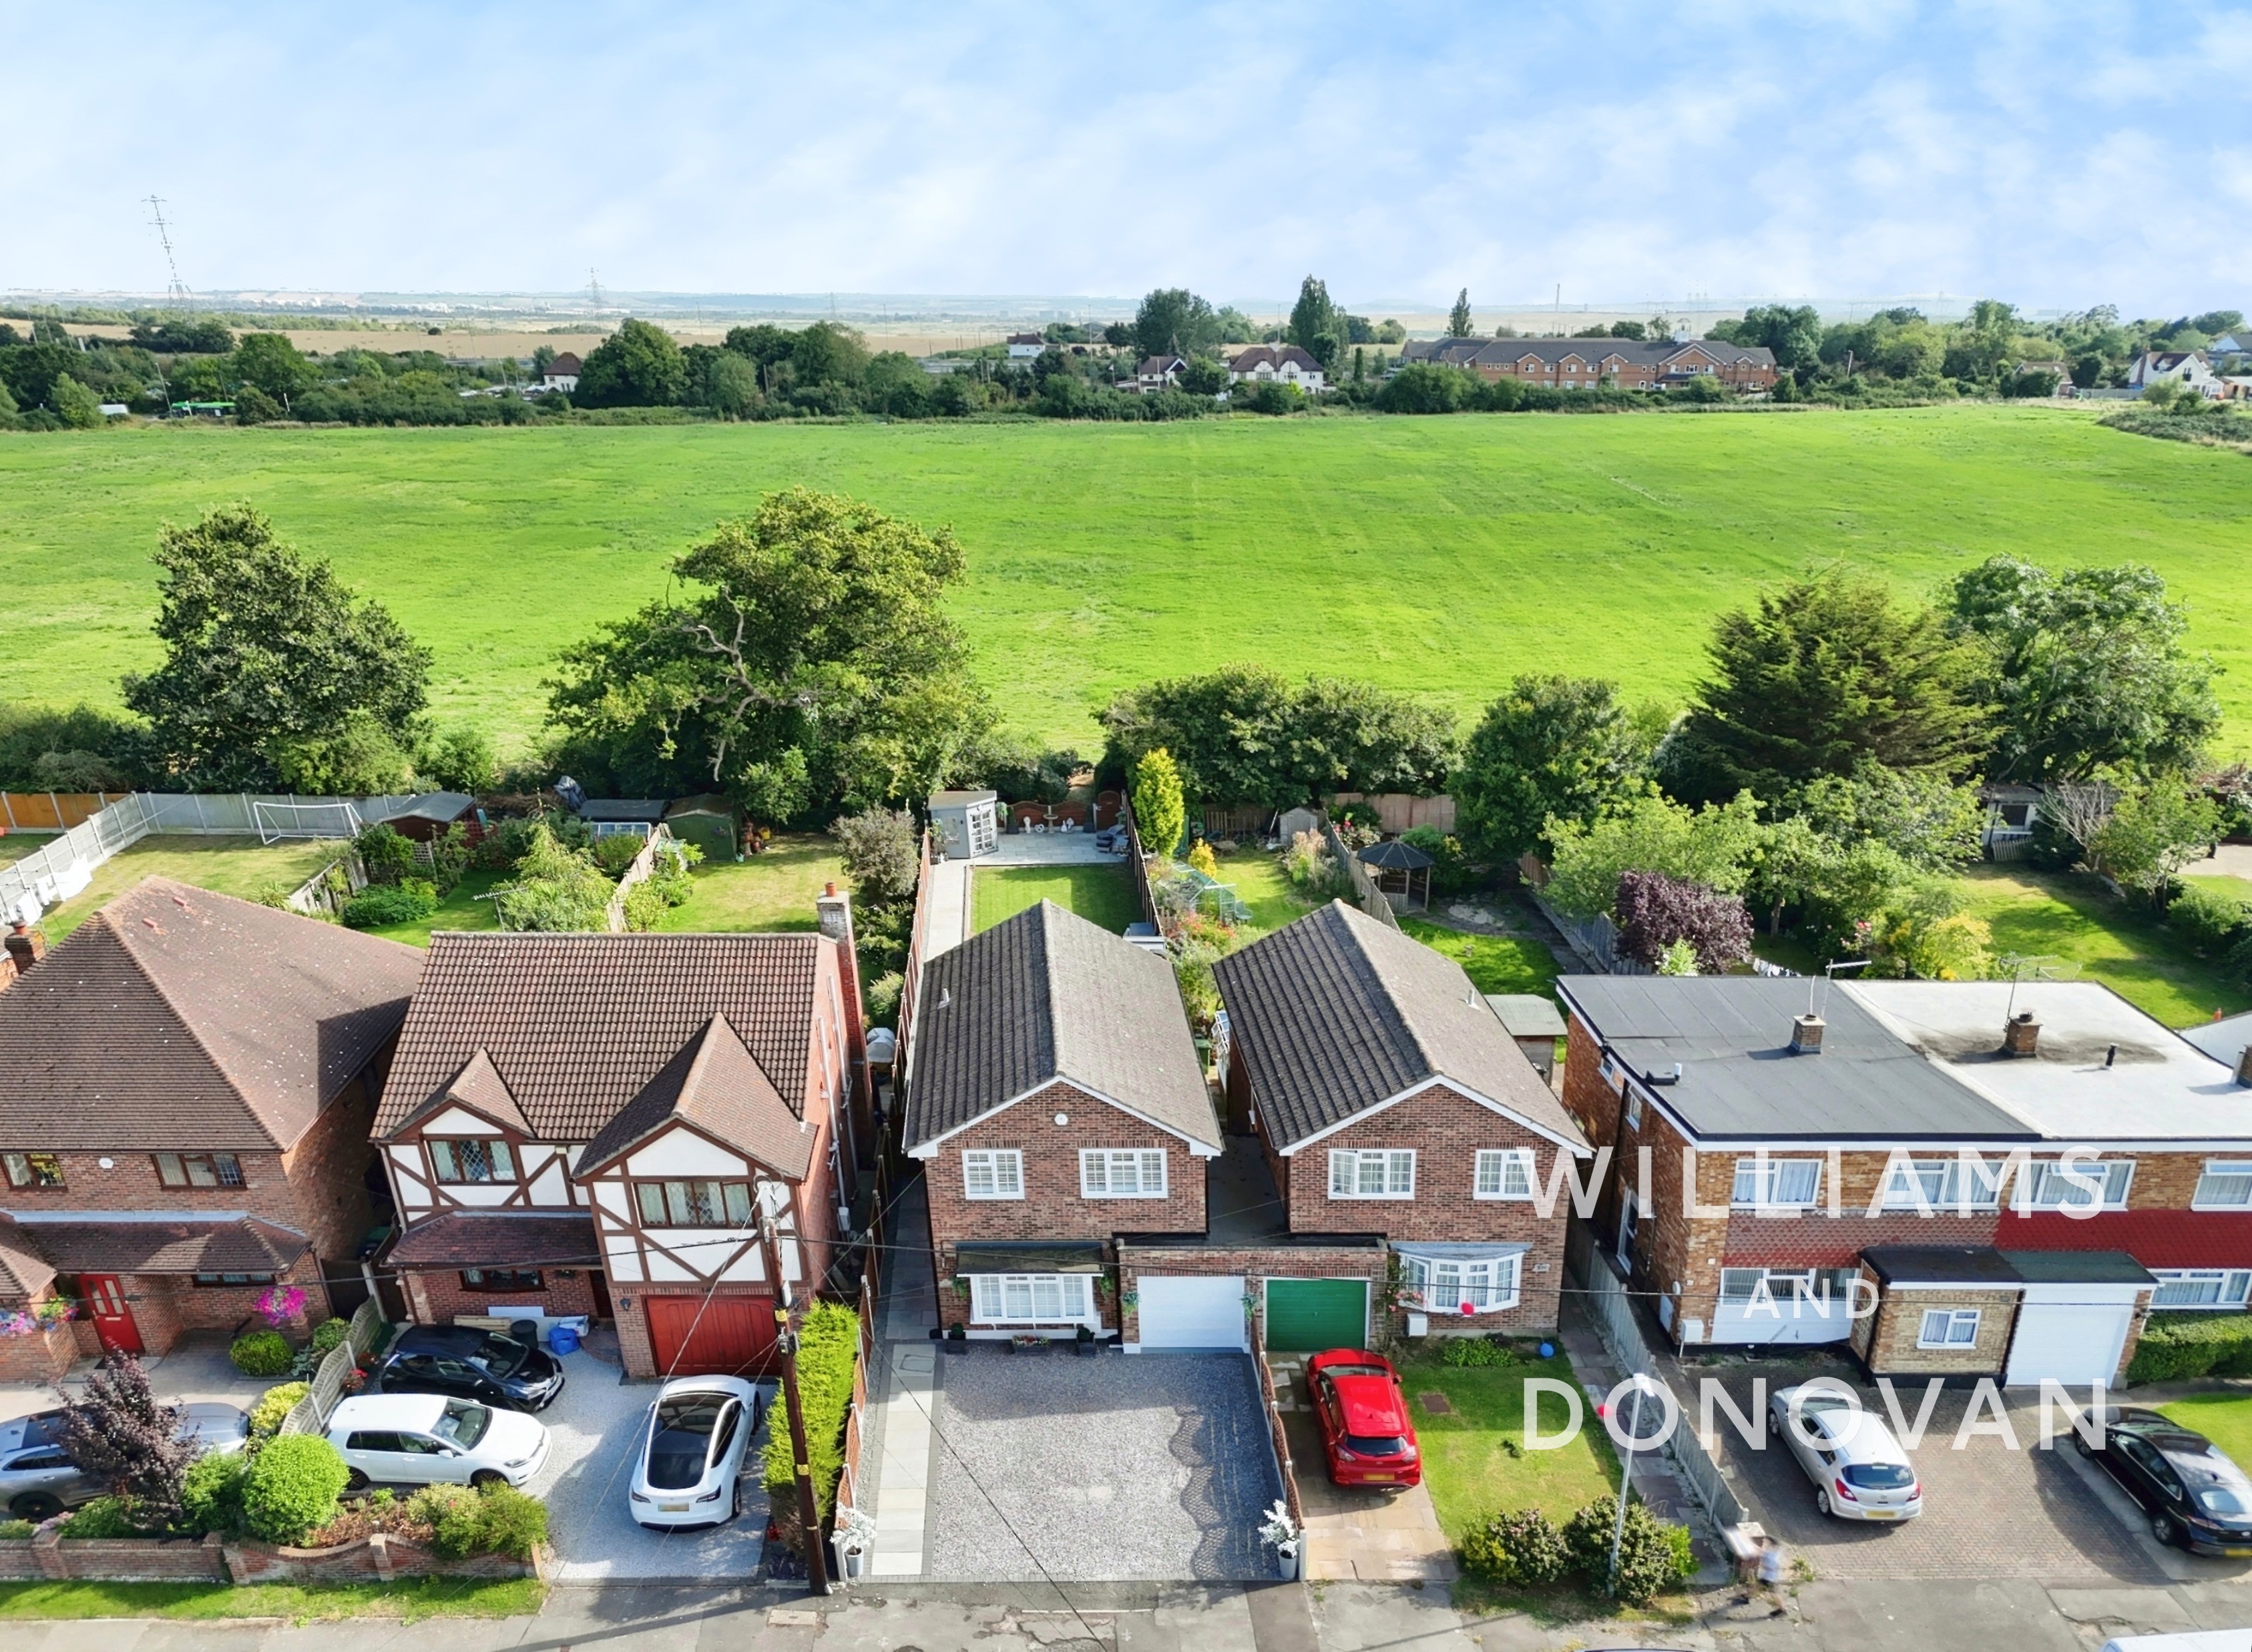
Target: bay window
(1448,1284)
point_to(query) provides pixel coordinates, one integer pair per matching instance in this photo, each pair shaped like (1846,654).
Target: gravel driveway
(1151,1466)
(595,1430)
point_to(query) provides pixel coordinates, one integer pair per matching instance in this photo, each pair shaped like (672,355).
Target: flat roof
(2100,1070)
(960,800)
(2078,1267)
(1941,1265)
(1528,1015)
(1731,1036)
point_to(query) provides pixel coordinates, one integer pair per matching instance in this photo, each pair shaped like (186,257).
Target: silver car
(1859,1470)
(39,1480)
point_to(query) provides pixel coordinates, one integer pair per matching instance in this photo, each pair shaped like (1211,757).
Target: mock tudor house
(1588,364)
(597,1124)
(191,1082)
(1290,364)
(1955,1178)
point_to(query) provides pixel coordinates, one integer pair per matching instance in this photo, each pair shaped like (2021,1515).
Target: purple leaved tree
(120,1433)
(1656,911)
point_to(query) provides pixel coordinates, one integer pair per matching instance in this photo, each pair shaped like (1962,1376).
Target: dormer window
(478,1160)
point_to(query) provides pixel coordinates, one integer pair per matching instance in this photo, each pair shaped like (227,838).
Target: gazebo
(1393,856)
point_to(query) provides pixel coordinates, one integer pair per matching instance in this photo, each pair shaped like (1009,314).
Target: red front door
(113,1318)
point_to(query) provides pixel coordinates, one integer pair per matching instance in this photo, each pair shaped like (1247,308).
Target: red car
(1363,1412)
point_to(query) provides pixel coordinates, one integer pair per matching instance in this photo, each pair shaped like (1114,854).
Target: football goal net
(337,818)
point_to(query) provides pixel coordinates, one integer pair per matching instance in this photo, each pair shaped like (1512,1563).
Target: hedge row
(2176,1347)
(828,1342)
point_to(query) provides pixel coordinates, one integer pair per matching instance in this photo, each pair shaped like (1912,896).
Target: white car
(691,1452)
(1859,1470)
(420,1440)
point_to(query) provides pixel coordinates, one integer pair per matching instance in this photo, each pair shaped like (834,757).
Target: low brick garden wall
(48,1557)
(381,1555)
(113,1559)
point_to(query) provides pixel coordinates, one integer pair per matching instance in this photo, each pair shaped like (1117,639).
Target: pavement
(595,1435)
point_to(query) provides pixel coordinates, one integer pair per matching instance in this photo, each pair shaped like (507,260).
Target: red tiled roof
(715,1085)
(24,1272)
(578,1027)
(189,1245)
(174,1018)
(497,1238)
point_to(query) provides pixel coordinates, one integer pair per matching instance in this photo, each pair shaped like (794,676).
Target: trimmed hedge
(1524,1549)
(275,1406)
(211,1492)
(260,1353)
(828,1342)
(2176,1347)
(292,1488)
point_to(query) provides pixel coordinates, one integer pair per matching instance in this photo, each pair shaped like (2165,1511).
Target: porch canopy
(498,1240)
(1030,1256)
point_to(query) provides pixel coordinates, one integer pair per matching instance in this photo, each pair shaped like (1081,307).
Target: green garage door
(1308,1316)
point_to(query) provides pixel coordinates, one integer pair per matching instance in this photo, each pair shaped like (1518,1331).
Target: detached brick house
(184,1123)
(1384,1142)
(593,1125)
(1958,1178)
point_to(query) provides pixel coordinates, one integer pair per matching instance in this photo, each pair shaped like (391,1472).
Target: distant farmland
(1435,555)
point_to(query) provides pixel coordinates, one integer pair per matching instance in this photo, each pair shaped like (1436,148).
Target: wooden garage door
(718,1336)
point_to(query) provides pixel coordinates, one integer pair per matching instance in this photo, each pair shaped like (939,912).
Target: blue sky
(2058,155)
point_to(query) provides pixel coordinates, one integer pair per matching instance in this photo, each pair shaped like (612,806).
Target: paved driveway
(1988,1511)
(1127,1466)
(594,1431)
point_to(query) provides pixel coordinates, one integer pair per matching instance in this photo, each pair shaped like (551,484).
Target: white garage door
(2074,1343)
(1178,1311)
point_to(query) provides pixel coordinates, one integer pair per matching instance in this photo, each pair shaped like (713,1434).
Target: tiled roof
(713,1083)
(577,1027)
(1658,353)
(1336,1013)
(187,1244)
(1276,356)
(24,1272)
(497,1238)
(174,1018)
(1049,996)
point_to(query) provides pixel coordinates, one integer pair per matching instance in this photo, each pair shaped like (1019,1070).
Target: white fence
(64,867)
(310,1414)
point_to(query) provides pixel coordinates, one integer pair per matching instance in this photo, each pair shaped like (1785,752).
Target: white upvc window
(1122,1173)
(1373,1173)
(1939,1184)
(1776,1183)
(2226,1185)
(1949,1327)
(1027,1299)
(1503,1173)
(2049,1188)
(993,1173)
(2201,1287)
(1486,1285)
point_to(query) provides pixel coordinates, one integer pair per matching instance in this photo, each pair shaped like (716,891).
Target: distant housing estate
(1585,364)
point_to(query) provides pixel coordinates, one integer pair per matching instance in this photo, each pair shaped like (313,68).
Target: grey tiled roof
(1336,1013)
(1049,996)
(577,1027)
(174,1018)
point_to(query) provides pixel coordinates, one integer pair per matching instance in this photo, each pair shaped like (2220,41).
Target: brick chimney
(1806,1035)
(2021,1034)
(26,947)
(836,916)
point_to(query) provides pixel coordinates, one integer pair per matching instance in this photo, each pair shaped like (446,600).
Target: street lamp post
(1640,1385)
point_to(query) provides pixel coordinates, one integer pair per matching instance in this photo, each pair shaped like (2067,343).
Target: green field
(1436,555)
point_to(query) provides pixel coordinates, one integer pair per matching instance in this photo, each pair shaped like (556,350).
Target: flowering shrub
(278,1304)
(41,1316)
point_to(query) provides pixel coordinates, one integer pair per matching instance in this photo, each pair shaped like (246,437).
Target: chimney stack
(2244,1064)
(26,947)
(1806,1035)
(2021,1034)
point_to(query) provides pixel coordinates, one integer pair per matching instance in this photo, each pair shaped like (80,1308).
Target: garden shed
(426,818)
(710,821)
(968,824)
(622,816)
(1533,1022)
(1393,858)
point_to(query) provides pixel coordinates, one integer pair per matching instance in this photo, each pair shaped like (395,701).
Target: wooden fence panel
(1402,811)
(52,811)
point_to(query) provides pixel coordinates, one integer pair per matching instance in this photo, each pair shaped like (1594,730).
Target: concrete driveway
(594,1432)
(1121,1467)
(1989,1511)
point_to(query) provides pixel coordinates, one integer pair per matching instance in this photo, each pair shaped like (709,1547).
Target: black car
(476,1364)
(2194,1496)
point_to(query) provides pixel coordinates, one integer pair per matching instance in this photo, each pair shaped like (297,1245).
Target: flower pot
(956,1344)
(1286,1565)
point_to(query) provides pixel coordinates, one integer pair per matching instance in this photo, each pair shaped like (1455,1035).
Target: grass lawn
(462,909)
(409,1600)
(16,845)
(1257,878)
(1101,894)
(1494,963)
(228,865)
(764,894)
(1469,1467)
(1440,556)
(2135,954)
(2226,1420)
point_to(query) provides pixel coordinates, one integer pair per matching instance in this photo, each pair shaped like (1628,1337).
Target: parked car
(1363,1413)
(691,1452)
(1859,1470)
(39,1480)
(2194,1495)
(419,1439)
(469,1365)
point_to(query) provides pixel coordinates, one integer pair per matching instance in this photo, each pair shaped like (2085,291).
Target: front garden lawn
(765,893)
(1494,963)
(1467,1462)
(468,905)
(2071,916)
(241,866)
(1101,893)
(409,1600)
(2226,1420)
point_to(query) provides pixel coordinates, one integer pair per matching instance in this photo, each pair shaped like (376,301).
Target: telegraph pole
(809,1506)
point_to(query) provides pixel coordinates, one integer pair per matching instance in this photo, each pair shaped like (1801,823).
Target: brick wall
(327,1168)
(130,1184)
(435,1296)
(37,1356)
(118,1560)
(382,1556)
(1886,1340)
